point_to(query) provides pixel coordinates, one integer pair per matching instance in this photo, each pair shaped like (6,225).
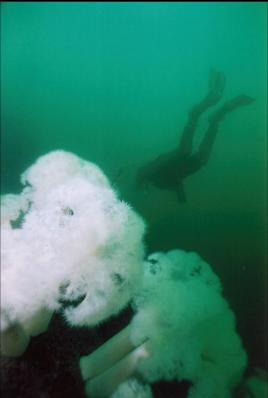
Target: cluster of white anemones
(69,243)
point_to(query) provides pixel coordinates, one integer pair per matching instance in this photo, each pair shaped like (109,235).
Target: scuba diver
(169,170)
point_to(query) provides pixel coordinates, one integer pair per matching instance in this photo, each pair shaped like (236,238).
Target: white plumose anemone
(67,242)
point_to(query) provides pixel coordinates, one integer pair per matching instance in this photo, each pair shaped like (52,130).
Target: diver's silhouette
(168,170)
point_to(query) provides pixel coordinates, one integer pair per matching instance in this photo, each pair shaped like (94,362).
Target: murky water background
(113,82)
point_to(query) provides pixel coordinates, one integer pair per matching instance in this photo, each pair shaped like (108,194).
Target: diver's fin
(181,194)
(240,100)
(229,106)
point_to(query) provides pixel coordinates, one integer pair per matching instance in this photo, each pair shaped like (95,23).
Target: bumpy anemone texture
(68,243)
(188,326)
(132,388)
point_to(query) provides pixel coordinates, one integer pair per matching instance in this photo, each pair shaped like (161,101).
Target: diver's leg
(215,90)
(186,141)
(206,145)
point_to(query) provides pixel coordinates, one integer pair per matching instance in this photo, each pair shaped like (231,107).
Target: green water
(113,82)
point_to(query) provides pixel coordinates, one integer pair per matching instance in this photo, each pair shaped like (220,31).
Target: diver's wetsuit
(169,170)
